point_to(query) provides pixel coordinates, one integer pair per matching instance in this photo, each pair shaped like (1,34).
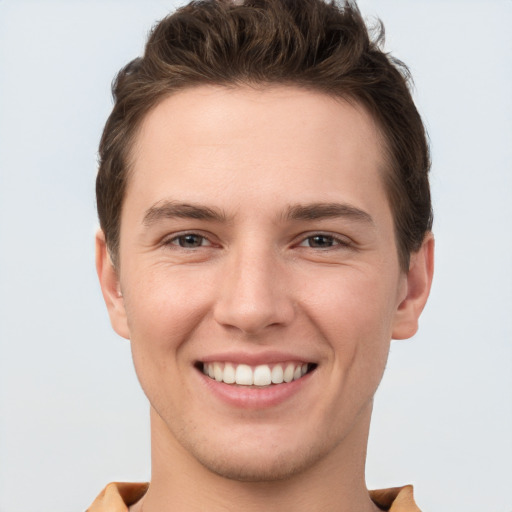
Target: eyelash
(175,240)
(334,240)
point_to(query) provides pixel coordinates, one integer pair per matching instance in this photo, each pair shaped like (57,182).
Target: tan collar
(395,499)
(118,496)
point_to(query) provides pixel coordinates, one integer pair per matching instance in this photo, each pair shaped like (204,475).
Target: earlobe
(418,282)
(110,287)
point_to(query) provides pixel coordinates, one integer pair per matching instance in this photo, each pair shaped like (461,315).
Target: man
(265,232)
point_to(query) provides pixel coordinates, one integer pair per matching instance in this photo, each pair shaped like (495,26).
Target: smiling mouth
(259,376)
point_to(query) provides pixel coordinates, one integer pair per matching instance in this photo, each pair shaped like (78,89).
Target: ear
(111,287)
(418,283)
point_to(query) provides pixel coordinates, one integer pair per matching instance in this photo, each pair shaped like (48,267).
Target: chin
(257,461)
(281,467)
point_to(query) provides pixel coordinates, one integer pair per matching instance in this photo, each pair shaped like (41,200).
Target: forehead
(207,141)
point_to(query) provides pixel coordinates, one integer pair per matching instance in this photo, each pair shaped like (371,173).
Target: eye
(323,241)
(189,241)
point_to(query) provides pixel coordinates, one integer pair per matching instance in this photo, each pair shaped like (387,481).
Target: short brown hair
(321,46)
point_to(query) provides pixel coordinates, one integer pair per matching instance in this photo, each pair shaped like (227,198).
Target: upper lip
(255,359)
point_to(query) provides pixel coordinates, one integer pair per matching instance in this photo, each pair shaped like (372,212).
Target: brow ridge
(172,209)
(317,211)
(167,209)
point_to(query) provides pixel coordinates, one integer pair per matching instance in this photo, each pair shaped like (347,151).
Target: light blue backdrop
(72,416)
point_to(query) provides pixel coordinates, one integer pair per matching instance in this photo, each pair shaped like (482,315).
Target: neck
(336,482)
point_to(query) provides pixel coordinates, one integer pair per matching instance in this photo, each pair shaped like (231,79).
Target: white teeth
(288,373)
(277,374)
(262,375)
(229,374)
(243,375)
(217,372)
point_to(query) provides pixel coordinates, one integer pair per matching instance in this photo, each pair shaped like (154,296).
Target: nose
(255,293)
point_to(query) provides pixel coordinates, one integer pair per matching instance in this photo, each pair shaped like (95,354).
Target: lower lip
(252,397)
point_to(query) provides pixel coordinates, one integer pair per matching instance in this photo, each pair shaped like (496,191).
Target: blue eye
(190,241)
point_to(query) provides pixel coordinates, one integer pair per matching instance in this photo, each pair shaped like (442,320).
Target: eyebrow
(306,212)
(317,211)
(172,210)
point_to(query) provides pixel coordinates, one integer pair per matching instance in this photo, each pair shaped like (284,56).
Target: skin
(270,274)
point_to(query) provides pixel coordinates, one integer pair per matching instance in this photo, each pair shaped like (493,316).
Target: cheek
(162,297)
(163,312)
(354,314)
(357,305)
(164,308)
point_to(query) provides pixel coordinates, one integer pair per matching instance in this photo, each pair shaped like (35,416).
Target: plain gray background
(72,417)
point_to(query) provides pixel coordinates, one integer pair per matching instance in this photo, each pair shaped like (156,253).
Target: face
(259,280)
